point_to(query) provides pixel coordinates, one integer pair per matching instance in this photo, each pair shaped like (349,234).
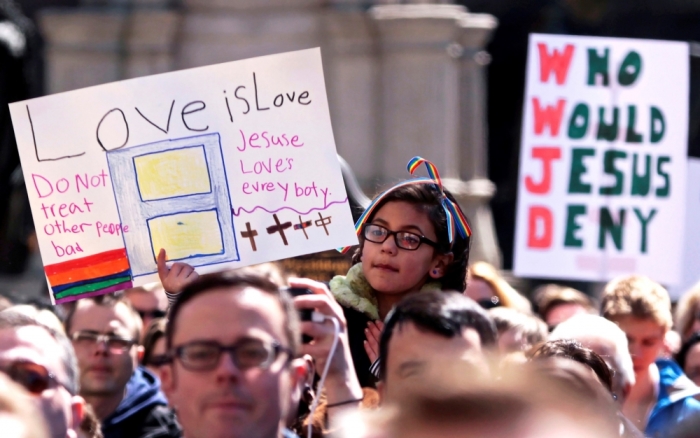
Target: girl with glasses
(413,237)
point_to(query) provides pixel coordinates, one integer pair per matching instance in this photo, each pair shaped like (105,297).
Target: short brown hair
(549,296)
(245,277)
(639,297)
(107,300)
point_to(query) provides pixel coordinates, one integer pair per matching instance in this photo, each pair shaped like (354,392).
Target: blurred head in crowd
(608,340)
(642,309)
(689,358)
(573,350)
(525,404)
(688,312)
(149,301)
(556,304)
(42,360)
(425,330)
(19,417)
(486,286)
(233,337)
(4,303)
(105,332)
(43,316)
(517,331)
(154,346)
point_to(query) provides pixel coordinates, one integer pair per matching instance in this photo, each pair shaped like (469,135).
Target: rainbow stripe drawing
(97,274)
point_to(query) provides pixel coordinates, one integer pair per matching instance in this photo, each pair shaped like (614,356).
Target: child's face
(392,270)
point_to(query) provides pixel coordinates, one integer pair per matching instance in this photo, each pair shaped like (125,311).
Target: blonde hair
(685,312)
(637,296)
(507,296)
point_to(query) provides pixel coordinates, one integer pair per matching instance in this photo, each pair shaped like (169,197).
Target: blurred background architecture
(440,79)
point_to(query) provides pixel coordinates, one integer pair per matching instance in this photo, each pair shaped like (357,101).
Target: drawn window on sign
(179,172)
(174,195)
(187,235)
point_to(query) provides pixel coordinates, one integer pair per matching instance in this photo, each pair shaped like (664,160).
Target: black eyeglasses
(89,339)
(403,239)
(157,360)
(153,314)
(33,377)
(246,354)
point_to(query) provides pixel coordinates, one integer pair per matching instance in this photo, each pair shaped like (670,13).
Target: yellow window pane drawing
(184,235)
(178,172)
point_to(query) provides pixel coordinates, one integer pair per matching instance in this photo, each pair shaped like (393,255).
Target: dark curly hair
(428,198)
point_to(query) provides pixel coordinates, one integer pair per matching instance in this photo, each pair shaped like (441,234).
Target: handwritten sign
(603,159)
(222,166)
(691,246)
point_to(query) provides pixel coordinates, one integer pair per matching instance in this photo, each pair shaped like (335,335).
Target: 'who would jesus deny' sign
(222,166)
(603,159)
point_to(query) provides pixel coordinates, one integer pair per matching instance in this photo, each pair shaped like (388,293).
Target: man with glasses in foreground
(42,361)
(126,398)
(233,339)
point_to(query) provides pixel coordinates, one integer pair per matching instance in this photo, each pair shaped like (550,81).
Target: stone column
(352,79)
(477,191)
(420,85)
(215,31)
(82,48)
(95,44)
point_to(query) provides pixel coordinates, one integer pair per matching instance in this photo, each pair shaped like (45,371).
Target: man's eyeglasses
(404,239)
(157,360)
(33,377)
(115,344)
(246,354)
(153,314)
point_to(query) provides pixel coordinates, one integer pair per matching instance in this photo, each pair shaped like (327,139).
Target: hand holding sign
(175,278)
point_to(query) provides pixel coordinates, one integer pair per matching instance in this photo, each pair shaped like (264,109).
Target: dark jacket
(357,323)
(143,413)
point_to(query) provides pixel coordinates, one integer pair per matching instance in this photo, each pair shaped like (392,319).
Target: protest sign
(222,166)
(691,243)
(603,159)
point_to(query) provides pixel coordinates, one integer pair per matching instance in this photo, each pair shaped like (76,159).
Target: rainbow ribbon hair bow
(455,216)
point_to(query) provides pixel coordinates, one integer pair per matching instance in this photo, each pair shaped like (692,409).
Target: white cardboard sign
(222,166)
(603,159)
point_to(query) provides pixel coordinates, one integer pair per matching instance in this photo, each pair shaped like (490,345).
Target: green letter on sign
(657,119)
(598,65)
(644,222)
(609,167)
(641,183)
(607,225)
(570,239)
(578,169)
(630,69)
(578,123)
(605,131)
(663,192)
(632,136)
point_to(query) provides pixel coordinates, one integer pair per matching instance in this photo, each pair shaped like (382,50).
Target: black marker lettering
(167,127)
(185,112)
(126,125)
(36,149)
(243,99)
(255,84)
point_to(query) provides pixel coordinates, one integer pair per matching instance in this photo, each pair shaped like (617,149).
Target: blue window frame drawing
(174,194)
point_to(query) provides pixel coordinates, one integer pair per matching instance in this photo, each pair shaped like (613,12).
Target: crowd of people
(413,341)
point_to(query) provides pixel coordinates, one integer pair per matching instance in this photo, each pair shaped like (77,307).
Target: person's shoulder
(157,421)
